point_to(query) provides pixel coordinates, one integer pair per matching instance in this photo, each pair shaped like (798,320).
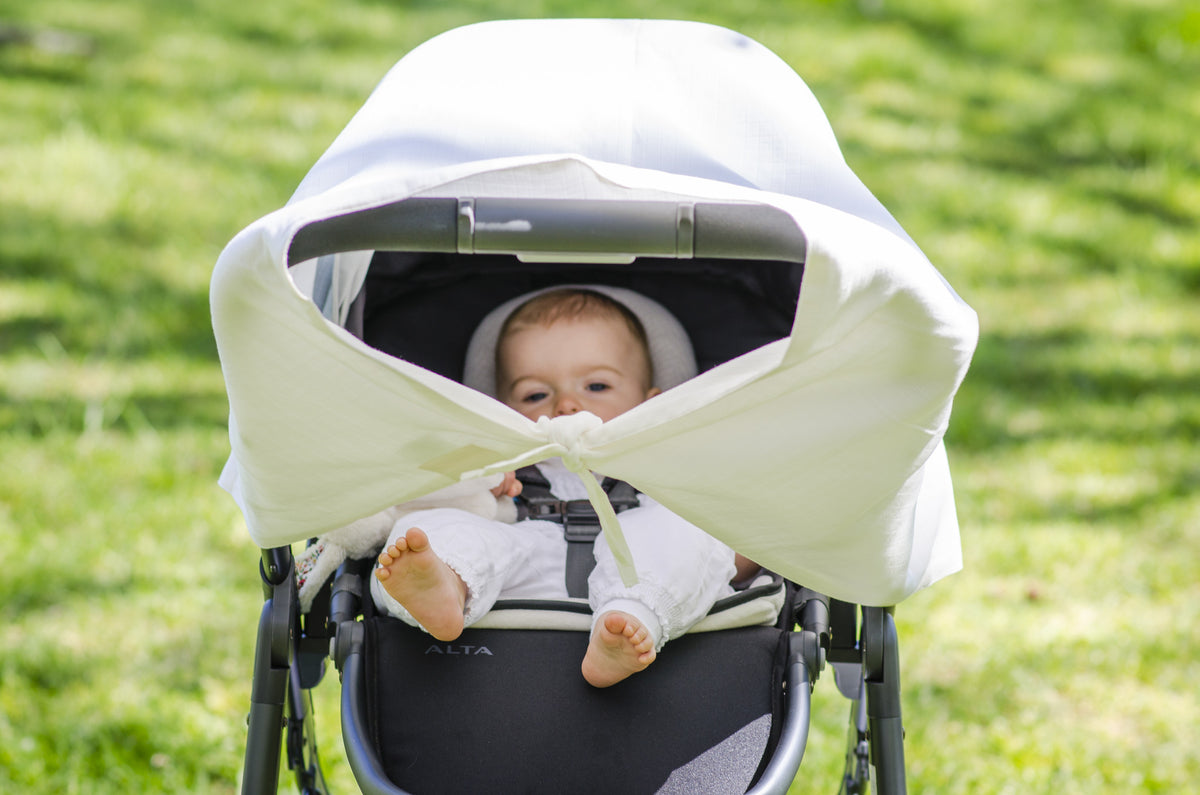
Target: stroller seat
(431,716)
(502,709)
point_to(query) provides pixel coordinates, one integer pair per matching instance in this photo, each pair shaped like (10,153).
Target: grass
(1043,155)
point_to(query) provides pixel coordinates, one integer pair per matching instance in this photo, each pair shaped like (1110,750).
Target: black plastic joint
(805,645)
(347,640)
(276,565)
(348,582)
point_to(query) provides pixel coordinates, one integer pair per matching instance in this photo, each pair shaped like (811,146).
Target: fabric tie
(567,431)
(565,439)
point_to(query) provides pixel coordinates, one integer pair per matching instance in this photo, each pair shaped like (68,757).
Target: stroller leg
(881,659)
(302,740)
(265,725)
(856,780)
(260,773)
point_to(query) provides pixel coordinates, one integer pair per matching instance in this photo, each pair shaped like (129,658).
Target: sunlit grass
(1043,155)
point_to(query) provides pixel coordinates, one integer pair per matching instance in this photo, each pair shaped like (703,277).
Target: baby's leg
(620,646)
(681,571)
(418,579)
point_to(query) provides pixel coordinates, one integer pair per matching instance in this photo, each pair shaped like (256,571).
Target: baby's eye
(597,386)
(534,397)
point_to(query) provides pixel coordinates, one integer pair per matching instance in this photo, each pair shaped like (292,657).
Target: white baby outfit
(681,569)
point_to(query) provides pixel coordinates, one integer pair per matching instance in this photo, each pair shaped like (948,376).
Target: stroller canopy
(819,455)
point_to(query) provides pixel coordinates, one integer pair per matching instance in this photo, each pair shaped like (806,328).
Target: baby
(562,352)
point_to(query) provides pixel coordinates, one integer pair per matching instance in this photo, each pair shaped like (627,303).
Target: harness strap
(580,523)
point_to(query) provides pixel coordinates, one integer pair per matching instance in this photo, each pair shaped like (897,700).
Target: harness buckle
(580,523)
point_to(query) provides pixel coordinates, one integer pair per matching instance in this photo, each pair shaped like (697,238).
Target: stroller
(689,165)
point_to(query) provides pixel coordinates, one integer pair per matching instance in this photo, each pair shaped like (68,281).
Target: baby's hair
(574,303)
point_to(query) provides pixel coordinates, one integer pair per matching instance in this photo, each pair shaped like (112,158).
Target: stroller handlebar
(558,230)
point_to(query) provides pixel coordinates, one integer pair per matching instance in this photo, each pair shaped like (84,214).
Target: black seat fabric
(503,711)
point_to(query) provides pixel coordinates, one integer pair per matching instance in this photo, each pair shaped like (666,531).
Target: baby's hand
(509,487)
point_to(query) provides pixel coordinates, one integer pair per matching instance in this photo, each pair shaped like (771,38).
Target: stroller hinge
(274,568)
(811,642)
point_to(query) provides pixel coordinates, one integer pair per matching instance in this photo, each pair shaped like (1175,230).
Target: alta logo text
(458,650)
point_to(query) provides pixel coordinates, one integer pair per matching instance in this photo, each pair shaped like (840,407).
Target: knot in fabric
(567,431)
(564,437)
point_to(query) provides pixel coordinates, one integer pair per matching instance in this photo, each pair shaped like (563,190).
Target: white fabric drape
(819,455)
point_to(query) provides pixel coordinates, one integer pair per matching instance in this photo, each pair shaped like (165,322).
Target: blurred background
(1045,157)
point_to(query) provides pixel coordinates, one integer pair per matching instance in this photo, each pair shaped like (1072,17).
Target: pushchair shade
(831,466)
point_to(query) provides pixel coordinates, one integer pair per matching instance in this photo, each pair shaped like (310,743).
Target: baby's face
(572,365)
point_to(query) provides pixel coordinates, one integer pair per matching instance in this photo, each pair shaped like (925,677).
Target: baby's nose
(566,405)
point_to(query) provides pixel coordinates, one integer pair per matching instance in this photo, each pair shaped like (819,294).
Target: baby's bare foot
(421,581)
(620,647)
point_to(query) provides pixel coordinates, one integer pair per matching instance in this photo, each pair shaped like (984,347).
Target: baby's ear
(652,391)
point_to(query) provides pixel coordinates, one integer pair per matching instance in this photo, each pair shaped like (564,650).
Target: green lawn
(1044,155)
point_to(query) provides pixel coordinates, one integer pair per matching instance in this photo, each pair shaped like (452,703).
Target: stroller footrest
(508,710)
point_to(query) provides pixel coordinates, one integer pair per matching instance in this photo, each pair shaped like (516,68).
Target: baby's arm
(489,497)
